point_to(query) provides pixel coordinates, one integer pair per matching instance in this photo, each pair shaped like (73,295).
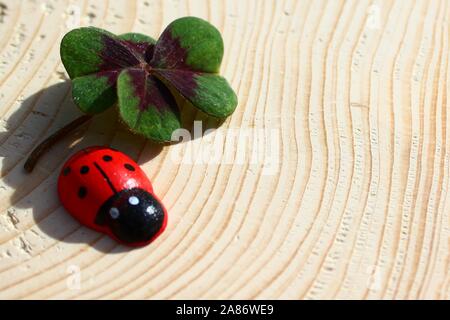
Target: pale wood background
(358,205)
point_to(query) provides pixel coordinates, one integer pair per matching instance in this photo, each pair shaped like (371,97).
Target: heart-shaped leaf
(90,50)
(146,105)
(189,43)
(210,93)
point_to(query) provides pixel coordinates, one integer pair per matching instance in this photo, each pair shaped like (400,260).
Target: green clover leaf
(142,75)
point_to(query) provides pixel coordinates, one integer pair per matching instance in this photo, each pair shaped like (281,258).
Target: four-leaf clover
(143,76)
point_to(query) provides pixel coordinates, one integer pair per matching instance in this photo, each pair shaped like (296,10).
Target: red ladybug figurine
(107,191)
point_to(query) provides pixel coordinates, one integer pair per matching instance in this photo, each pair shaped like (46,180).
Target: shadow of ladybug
(107,191)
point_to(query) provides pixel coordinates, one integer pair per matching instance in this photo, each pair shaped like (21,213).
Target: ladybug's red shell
(107,191)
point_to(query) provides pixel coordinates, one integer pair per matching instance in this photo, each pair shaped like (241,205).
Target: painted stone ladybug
(107,191)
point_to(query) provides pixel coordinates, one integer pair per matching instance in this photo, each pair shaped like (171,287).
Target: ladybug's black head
(133,215)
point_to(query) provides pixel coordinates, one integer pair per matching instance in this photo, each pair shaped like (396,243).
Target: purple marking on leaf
(111,75)
(150,91)
(116,54)
(143,48)
(138,80)
(148,55)
(183,80)
(169,53)
(159,95)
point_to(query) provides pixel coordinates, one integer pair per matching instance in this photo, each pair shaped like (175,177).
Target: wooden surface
(355,203)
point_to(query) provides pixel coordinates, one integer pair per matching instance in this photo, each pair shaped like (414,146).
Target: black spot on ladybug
(107,158)
(129,167)
(84,169)
(82,192)
(66,171)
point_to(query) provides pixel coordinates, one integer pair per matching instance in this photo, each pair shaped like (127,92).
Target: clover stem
(51,140)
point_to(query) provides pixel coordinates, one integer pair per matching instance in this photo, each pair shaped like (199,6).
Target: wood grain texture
(357,206)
